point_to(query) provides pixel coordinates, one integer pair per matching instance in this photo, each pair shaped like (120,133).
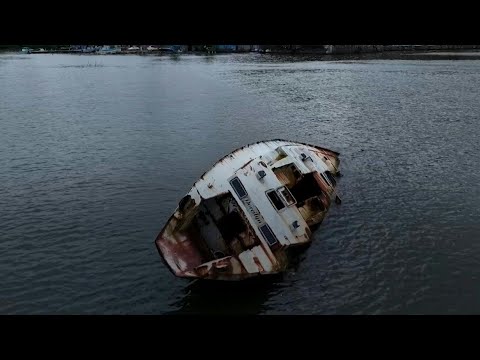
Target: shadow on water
(246,297)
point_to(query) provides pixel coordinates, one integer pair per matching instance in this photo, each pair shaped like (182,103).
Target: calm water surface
(96,151)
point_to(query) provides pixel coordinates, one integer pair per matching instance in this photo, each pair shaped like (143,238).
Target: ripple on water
(95,158)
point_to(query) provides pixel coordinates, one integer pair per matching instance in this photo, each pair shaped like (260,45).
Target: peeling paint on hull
(244,215)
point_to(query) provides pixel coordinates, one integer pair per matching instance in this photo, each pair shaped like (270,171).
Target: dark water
(95,152)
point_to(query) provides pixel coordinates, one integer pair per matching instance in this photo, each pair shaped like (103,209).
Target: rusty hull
(184,254)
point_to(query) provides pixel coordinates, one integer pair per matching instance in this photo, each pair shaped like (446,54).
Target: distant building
(177,48)
(225,48)
(243,48)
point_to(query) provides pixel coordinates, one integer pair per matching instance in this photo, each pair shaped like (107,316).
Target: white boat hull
(242,216)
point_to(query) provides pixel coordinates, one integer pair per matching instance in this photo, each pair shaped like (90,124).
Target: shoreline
(440,54)
(264,49)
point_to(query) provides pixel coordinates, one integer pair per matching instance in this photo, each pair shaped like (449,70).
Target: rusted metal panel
(227,265)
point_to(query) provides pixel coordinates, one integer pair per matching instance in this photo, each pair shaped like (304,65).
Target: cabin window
(275,199)
(331,178)
(324,177)
(286,195)
(268,234)
(238,187)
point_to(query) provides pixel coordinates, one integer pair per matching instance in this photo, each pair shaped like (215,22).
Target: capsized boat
(246,214)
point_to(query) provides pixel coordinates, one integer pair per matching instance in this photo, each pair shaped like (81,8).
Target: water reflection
(175,57)
(209,58)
